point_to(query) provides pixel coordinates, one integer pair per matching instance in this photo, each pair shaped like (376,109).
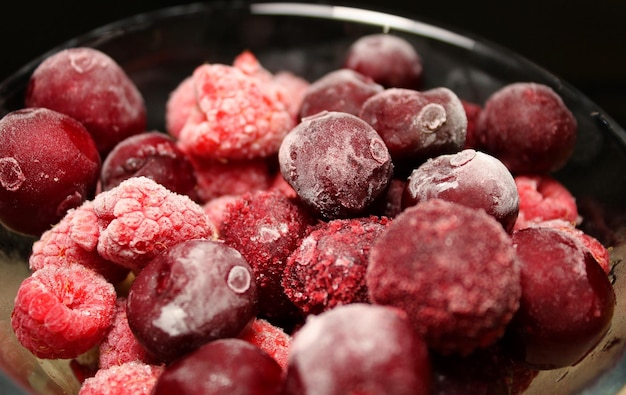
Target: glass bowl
(160,48)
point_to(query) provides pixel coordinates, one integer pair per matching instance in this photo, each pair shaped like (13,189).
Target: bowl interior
(160,49)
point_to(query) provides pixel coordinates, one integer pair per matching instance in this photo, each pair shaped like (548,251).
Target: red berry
(48,165)
(131,378)
(270,338)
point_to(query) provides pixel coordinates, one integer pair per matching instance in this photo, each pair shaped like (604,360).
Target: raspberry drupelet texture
(179,105)
(528,127)
(92,88)
(270,338)
(358,349)
(131,378)
(74,240)
(140,218)
(390,60)
(453,269)
(471,178)
(236,115)
(63,311)
(337,164)
(328,267)
(48,164)
(266,226)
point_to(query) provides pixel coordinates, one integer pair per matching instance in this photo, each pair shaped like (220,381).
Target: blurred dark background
(583,42)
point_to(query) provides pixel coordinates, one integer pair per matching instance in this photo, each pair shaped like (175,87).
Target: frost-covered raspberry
(270,338)
(140,218)
(74,240)
(63,311)
(131,378)
(236,116)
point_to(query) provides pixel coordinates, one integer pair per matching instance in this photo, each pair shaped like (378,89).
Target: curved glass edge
(604,384)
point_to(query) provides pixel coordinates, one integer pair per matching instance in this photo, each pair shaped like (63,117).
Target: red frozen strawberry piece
(131,378)
(63,311)
(140,218)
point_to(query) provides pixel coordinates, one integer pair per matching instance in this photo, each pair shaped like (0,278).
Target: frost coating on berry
(140,218)
(134,378)
(239,279)
(11,174)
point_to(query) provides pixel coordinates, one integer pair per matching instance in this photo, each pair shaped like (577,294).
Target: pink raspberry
(216,208)
(140,218)
(270,338)
(74,240)
(63,311)
(178,107)
(292,90)
(543,198)
(131,378)
(237,116)
(120,344)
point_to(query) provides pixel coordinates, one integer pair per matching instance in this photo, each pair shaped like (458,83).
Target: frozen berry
(417,125)
(528,127)
(472,111)
(222,367)
(139,218)
(566,306)
(179,105)
(328,267)
(471,178)
(91,87)
(543,198)
(342,90)
(266,226)
(195,292)
(388,59)
(48,165)
(270,338)
(131,378)
(358,349)
(337,164)
(63,311)
(153,155)
(453,269)
(236,115)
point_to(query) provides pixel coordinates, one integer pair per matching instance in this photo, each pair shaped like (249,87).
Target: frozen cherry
(358,349)
(154,155)
(528,127)
(342,90)
(91,87)
(195,292)
(337,164)
(222,367)
(471,178)
(417,125)
(567,300)
(388,59)
(48,165)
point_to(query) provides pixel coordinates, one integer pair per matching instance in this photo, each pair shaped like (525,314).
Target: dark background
(583,42)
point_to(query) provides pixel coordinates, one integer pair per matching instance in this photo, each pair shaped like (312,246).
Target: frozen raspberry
(237,116)
(139,218)
(528,127)
(266,226)
(337,164)
(417,125)
(230,177)
(358,348)
(249,64)
(389,60)
(270,338)
(131,378)
(471,178)
(472,111)
(48,165)
(328,267)
(222,367)
(179,106)
(342,90)
(216,207)
(154,155)
(543,198)
(62,311)
(566,306)
(120,344)
(292,90)
(74,240)
(453,269)
(92,88)
(195,292)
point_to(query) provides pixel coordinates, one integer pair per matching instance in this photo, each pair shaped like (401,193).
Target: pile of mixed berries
(355,234)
